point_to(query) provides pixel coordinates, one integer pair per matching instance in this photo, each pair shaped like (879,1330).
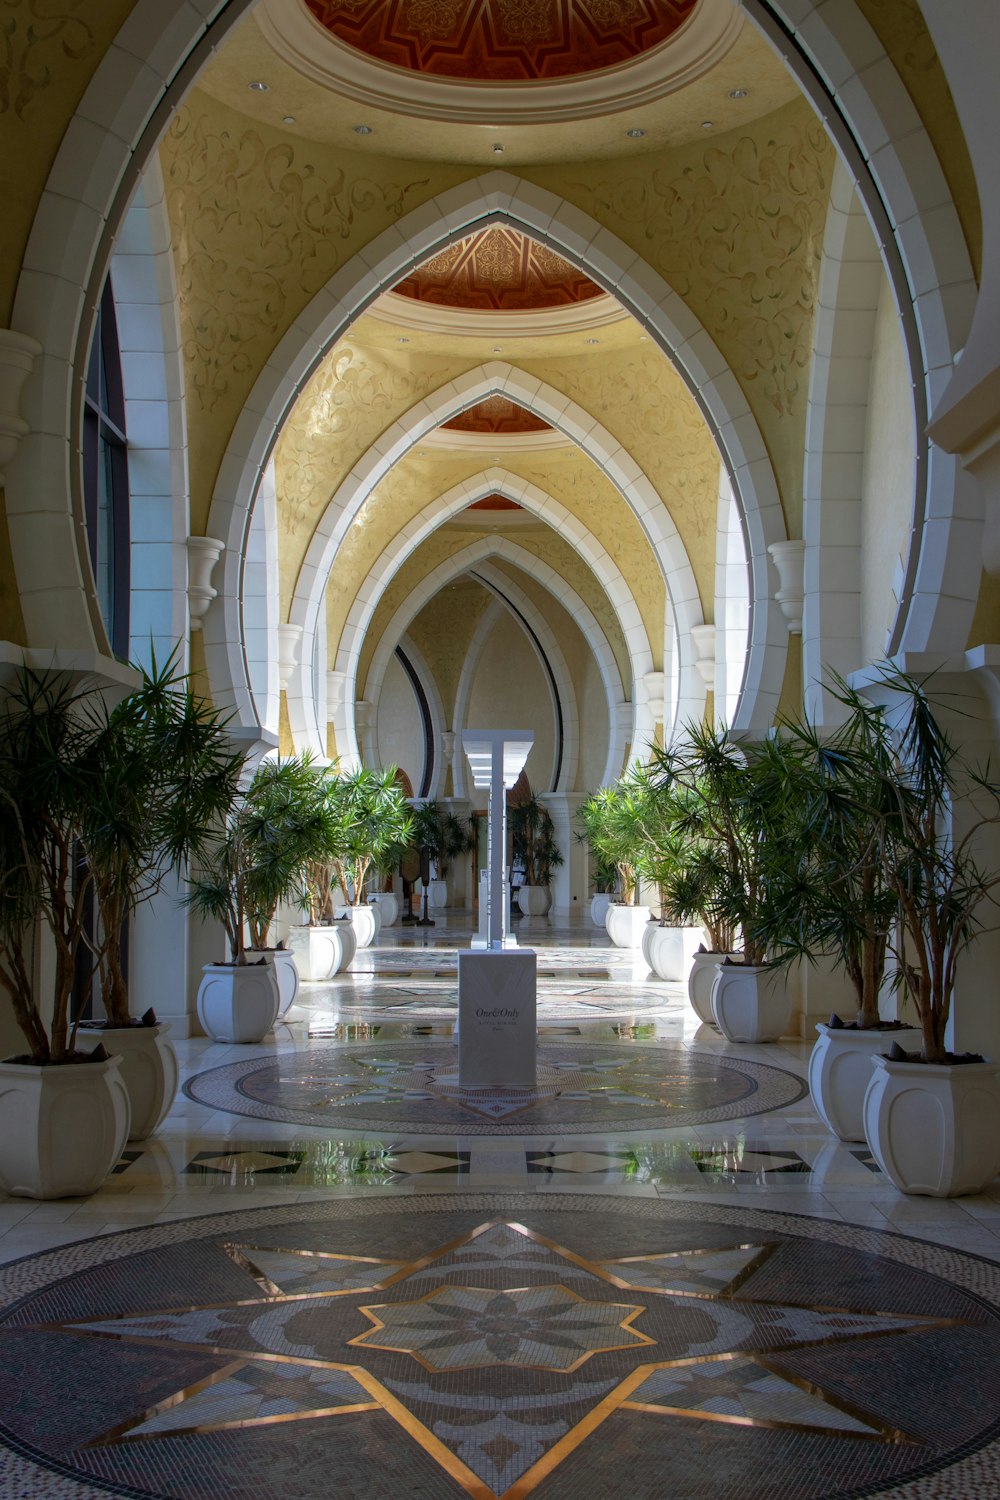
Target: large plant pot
(626,924)
(238,1002)
(750,1002)
(599,909)
(285,971)
(437,895)
(366,923)
(62,1129)
(388,906)
(840,1070)
(321,952)
(934,1128)
(669,950)
(148,1069)
(534,900)
(701,978)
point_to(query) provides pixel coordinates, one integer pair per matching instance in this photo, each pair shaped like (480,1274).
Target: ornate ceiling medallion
(501,61)
(497,414)
(498,270)
(510,41)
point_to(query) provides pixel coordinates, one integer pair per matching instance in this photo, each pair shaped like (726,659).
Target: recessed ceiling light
(593,341)
(498,148)
(404,341)
(259,86)
(362,129)
(288,120)
(738,93)
(708,124)
(635,133)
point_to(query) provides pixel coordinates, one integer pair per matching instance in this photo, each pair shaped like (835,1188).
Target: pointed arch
(472,559)
(301,704)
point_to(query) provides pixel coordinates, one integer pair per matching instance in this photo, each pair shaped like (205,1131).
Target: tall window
(105,476)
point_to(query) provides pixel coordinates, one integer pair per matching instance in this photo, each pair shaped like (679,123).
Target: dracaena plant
(928,808)
(609,825)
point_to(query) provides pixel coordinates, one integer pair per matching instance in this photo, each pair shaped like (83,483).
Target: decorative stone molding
(18,353)
(203,554)
(703,639)
(289,639)
(789,558)
(448,747)
(651,693)
(364,715)
(336,692)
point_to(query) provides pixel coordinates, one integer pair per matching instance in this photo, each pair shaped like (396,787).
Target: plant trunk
(14,978)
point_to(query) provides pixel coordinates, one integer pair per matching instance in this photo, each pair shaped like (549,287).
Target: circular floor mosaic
(412,1087)
(472,1345)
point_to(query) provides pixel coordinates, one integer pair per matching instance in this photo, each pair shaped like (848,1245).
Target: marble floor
(660,1276)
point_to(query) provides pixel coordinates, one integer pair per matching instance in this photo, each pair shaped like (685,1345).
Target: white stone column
(570,880)
(158,959)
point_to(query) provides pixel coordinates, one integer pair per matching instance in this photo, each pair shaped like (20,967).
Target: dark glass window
(105,476)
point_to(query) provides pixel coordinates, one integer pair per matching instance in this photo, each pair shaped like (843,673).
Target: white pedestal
(497,1036)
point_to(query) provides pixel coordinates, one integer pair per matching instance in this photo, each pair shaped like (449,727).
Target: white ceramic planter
(751,1003)
(933,1128)
(321,952)
(148,1068)
(534,900)
(388,906)
(285,971)
(238,1002)
(840,1070)
(62,1129)
(365,920)
(437,895)
(669,950)
(599,909)
(701,978)
(626,924)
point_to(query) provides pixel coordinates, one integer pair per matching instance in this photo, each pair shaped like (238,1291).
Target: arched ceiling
(498,270)
(519,41)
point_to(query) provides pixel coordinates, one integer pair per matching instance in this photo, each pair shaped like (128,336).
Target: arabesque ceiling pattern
(513,41)
(496,414)
(498,270)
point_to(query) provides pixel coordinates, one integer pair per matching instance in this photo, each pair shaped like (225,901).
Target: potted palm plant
(288,793)
(609,819)
(666,850)
(534,849)
(165,772)
(846,904)
(369,815)
(930,1117)
(740,798)
(64,1111)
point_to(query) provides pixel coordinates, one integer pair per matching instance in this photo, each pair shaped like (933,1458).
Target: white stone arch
(307,604)
(459,211)
(367,738)
(562,694)
(471,559)
(114,132)
(858,94)
(494,480)
(145,296)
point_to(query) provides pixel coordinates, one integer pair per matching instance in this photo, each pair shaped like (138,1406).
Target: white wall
(887,479)
(509,691)
(399,725)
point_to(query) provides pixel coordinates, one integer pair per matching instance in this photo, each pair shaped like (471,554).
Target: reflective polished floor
(331,1273)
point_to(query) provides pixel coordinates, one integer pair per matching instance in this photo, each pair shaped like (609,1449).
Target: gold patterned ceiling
(516,41)
(498,270)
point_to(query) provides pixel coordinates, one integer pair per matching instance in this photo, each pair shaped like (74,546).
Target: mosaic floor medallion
(413,1087)
(499,1347)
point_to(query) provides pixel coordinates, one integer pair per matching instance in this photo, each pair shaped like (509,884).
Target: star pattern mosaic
(413,1086)
(496,1358)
